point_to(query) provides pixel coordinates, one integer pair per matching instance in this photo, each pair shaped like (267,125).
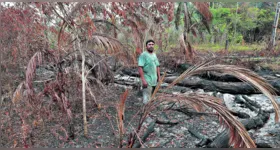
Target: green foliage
(237,24)
(236,47)
(173,36)
(156,47)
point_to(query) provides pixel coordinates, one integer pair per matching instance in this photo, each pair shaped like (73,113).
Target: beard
(151,49)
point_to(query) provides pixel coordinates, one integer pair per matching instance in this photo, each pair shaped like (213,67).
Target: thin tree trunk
(226,45)
(83,87)
(0,81)
(275,24)
(188,52)
(235,20)
(187,22)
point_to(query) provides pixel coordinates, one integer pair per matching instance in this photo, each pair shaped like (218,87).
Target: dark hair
(150,41)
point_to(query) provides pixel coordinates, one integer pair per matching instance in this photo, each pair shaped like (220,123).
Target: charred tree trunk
(222,140)
(212,81)
(224,87)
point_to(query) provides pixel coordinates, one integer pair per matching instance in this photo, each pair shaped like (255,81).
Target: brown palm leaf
(239,137)
(203,9)
(35,60)
(241,73)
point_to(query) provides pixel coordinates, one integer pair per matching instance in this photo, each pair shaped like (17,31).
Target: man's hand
(141,73)
(145,84)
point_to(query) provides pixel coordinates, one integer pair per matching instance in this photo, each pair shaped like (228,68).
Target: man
(148,67)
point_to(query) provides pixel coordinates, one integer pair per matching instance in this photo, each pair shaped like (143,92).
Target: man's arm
(141,73)
(158,73)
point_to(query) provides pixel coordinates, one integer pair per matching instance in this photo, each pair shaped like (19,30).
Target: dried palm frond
(121,108)
(73,12)
(158,86)
(127,56)
(105,22)
(203,9)
(18,93)
(105,42)
(35,60)
(99,69)
(243,74)
(239,137)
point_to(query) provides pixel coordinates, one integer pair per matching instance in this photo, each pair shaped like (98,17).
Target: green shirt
(149,62)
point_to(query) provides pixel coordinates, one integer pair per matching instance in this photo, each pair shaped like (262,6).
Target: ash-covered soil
(53,132)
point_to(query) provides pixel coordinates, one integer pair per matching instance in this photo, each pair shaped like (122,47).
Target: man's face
(150,46)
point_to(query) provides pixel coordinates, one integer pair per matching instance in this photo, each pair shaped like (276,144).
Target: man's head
(150,45)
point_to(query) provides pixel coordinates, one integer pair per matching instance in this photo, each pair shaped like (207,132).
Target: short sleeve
(141,60)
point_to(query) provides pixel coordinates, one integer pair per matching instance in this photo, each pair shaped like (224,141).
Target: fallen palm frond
(239,137)
(241,73)
(121,108)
